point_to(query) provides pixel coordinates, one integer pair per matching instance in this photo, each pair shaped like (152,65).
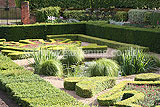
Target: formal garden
(86,53)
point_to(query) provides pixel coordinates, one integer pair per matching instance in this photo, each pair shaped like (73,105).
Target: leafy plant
(51,68)
(104,67)
(134,61)
(42,14)
(72,55)
(41,56)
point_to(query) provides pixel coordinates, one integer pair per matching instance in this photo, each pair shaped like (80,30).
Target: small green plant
(72,55)
(51,68)
(134,61)
(104,67)
(41,56)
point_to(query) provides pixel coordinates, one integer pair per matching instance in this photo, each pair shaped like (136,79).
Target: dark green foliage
(51,67)
(75,14)
(94,3)
(43,13)
(38,31)
(121,16)
(126,34)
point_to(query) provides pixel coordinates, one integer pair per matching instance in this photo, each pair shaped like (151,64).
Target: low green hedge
(99,41)
(115,99)
(70,83)
(147,77)
(103,99)
(88,86)
(29,90)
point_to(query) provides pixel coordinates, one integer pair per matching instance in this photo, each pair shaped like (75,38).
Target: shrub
(72,55)
(104,67)
(136,16)
(134,61)
(42,14)
(75,14)
(121,16)
(51,68)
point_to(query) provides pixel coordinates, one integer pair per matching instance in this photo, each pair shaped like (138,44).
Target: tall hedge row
(34,4)
(134,35)
(35,31)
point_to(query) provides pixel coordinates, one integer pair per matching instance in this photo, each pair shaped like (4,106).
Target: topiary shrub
(104,67)
(52,68)
(43,13)
(121,16)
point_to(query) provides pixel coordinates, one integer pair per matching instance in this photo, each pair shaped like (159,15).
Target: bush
(121,16)
(42,14)
(75,14)
(152,17)
(51,68)
(134,61)
(136,16)
(104,67)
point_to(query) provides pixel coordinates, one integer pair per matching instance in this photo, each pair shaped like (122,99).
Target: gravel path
(58,83)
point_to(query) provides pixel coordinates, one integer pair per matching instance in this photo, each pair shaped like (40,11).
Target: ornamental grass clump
(72,55)
(134,61)
(42,56)
(52,68)
(104,67)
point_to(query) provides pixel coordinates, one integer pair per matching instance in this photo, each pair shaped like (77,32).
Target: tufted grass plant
(104,67)
(134,61)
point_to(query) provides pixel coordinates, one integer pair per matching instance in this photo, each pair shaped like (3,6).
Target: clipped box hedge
(88,86)
(107,98)
(99,41)
(29,90)
(125,34)
(147,77)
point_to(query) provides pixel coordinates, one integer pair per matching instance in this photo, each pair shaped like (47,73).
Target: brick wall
(11,3)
